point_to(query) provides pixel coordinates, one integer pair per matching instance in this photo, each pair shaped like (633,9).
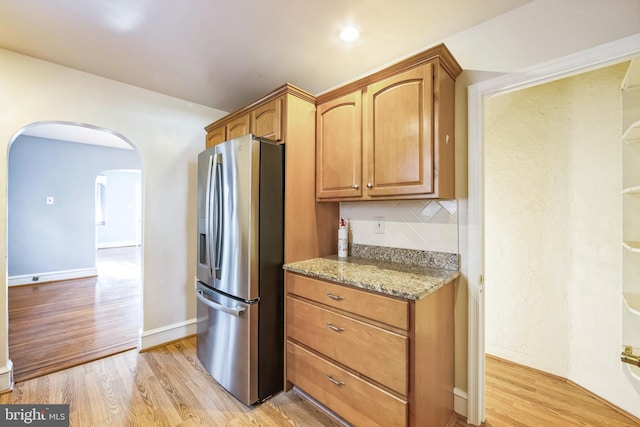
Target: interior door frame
(587,60)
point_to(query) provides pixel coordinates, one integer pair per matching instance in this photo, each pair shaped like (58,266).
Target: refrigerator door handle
(208,223)
(215,215)
(214,305)
(219,216)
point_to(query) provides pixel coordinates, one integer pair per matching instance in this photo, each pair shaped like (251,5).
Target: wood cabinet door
(399,134)
(216,136)
(266,120)
(339,147)
(238,127)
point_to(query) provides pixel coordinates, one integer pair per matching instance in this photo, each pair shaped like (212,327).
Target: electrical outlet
(379,225)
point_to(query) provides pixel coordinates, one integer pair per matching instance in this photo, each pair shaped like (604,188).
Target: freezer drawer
(227,342)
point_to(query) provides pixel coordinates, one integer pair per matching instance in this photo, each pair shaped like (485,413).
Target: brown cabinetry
(348,347)
(339,147)
(288,114)
(390,135)
(216,136)
(238,126)
(264,119)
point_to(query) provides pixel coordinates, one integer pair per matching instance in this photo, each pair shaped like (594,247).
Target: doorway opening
(74,290)
(592,59)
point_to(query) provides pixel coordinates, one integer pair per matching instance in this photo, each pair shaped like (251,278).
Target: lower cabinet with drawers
(370,358)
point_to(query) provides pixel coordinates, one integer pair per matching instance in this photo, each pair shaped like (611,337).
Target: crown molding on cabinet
(286,88)
(439,54)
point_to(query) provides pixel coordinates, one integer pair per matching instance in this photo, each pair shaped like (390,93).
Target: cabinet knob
(356,186)
(369,185)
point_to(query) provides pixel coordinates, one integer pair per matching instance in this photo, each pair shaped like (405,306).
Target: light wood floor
(166,386)
(518,396)
(56,325)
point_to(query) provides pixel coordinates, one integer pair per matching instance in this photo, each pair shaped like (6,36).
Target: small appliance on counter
(240,281)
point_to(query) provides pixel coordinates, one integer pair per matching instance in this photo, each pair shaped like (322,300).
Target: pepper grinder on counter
(343,239)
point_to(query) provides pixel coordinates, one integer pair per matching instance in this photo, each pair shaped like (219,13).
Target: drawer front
(391,311)
(374,352)
(354,399)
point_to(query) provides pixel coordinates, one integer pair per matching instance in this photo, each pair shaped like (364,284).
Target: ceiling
(80,133)
(226,53)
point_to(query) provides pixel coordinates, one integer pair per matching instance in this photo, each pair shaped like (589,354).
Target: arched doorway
(65,306)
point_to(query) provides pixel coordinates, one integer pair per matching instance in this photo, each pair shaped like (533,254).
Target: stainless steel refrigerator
(239,286)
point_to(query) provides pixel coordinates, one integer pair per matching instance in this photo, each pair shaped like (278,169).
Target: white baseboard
(165,334)
(460,402)
(106,245)
(51,276)
(6,377)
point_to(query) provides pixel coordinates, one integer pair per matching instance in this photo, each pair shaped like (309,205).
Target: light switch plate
(50,200)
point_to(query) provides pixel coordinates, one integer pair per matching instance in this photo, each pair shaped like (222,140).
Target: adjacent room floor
(56,325)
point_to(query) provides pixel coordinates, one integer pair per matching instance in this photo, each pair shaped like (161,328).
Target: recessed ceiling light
(349,34)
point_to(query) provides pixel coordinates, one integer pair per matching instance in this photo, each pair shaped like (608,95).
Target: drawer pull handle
(335,297)
(334,328)
(335,381)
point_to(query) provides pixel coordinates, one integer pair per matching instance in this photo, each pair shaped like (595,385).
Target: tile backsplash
(428,225)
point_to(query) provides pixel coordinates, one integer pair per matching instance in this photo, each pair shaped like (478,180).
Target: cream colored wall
(168,132)
(553,230)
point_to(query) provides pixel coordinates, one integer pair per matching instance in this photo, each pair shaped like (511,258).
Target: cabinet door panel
(216,136)
(400,134)
(238,127)
(266,120)
(339,147)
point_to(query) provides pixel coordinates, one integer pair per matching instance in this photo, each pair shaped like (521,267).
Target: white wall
(553,230)
(121,209)
(168,132)
(409,224)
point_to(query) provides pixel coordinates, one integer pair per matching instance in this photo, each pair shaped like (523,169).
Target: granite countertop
(409,281)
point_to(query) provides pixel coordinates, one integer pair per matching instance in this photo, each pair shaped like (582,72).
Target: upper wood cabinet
(339,156)
(238,126)
(288,115)
(399,138)
(400,143)
(264,119)
(216,136)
